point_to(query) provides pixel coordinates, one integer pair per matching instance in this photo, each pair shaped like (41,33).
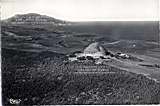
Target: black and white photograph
(80,52)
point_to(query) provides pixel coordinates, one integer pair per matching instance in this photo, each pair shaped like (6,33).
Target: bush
(72,55)
(102,57)
(90,58)
(81,58)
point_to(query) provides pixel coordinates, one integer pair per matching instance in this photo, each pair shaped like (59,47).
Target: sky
(85,10)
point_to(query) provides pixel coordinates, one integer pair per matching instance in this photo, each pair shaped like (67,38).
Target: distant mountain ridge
(33,19)
(96,31)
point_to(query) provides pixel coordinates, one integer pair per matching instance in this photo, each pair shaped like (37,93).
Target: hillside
(45,78)
(47,61)
(33,19)
(107,30)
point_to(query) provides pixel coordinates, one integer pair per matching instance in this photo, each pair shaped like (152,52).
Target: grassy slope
(46,79)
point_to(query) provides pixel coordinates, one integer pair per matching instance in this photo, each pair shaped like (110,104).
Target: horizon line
(92,19)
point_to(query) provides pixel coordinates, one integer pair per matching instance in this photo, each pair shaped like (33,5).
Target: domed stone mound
(94,48)
(91,52)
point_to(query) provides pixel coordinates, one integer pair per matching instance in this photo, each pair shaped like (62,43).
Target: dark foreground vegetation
(47,78)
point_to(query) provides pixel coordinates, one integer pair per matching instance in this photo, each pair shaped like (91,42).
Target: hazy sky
(84,10)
